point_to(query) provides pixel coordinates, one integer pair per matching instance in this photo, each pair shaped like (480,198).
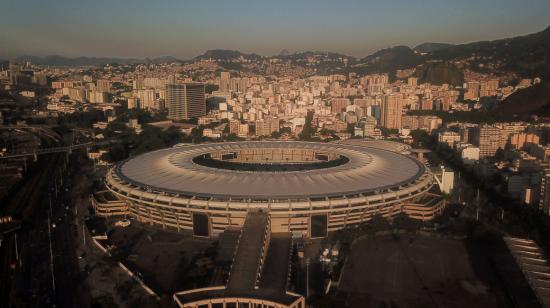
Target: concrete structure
(259,273)
(391,111)
(447,181)
(185,101)
(105,204)
(300,184)
(520,140)
(530,258)
(488,139)
(450,138)
(225,78)
(469,154)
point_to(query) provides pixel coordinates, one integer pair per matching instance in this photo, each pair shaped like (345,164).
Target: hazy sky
(149,28)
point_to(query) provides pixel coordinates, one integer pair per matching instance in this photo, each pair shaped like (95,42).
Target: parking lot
(161,257)
(417,271)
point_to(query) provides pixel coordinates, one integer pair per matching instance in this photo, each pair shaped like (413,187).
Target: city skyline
(185,30)
(274,154)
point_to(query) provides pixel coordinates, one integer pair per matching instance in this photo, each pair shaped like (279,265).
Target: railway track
(29,199)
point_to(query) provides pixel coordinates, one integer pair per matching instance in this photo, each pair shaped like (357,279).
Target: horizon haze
(138,29)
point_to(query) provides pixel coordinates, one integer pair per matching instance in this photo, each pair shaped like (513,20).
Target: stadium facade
(308,189)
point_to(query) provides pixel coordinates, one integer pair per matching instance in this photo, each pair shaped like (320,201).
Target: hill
(389,60)
(525,102)
(226,55)
(317,54)
(439,73)
(431,47)
(527,56)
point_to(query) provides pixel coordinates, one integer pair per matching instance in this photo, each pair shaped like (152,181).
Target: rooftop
(174,171)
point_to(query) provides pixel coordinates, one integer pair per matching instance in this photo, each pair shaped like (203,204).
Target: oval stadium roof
(173,170)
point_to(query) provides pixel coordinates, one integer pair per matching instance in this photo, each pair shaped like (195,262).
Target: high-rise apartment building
(225,79)
(391,111)
(147,98)
(472,91)
(487,138)
(338,105)
(185,101)
(426,104)
(15,70)
(234,126)
(262,128)
(103,85)
(138,83)
(519,140)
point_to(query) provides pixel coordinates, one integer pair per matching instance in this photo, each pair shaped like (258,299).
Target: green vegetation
(286,130)
(143,116)
(81,119)
(388,131)
(209,88)
(389,61)
(128,143)
(430,47)
(350,128)
(309,130)
(232,66)
(439,73)
(529,101)
(527,56)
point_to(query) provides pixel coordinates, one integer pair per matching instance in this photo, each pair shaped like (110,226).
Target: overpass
(51,150)
(44,129)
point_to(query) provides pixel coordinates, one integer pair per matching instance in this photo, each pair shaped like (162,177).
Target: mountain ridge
(431,47)
(527,56)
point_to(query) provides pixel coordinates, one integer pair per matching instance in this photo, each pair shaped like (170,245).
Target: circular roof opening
(270,160)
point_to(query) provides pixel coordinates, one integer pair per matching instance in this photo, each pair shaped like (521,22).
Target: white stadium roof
(173,170)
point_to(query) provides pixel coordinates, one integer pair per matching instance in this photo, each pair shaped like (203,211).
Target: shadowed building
(185,101)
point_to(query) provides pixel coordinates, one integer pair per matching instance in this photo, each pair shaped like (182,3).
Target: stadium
(307,188)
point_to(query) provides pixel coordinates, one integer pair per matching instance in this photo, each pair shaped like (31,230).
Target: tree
(421,139)
(308,130)
(500,154)
(350,128)
(209,88)
(117,152)
(286,130)
(327,132)
(233,137)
